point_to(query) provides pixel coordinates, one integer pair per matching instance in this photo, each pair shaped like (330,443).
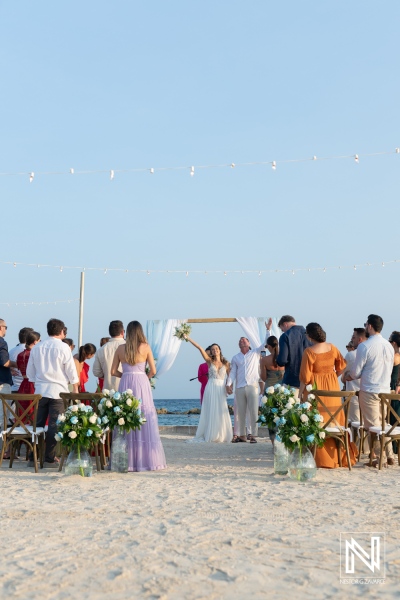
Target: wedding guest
(100,384)
(320,366)
(145,450)
(202,375)
(394,380)
(105,355)
(245,374)
(357,338)
(26,387)
(292,344)
(70,343)
(85,353)
(5,371)
(104,340)
(270,372)
(51,367)
(20,347)
(373,366)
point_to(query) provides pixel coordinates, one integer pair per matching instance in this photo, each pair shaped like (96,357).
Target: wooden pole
(212,320)
(81,299)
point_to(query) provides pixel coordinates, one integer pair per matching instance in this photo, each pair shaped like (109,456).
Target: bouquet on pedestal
(120,409)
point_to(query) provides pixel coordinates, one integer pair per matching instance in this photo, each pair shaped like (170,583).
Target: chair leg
(339,451)
(103,456)
(383,450)
(35,456)
(42,449)
(12,454)
(3,447)
(96,453)
(346,445)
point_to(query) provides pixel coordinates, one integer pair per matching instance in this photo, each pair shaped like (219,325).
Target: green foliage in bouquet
(121,410)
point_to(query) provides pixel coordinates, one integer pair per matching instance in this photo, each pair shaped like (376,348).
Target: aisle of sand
(216,524)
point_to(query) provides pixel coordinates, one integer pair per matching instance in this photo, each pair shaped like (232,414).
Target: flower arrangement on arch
(120,409)
(79,426)
(275,403)
(301,425)
(183,331)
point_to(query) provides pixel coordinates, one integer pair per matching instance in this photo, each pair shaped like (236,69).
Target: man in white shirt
(16,375)
(105,356)
(358,337)
(245,372)
(373,366)
(51,367)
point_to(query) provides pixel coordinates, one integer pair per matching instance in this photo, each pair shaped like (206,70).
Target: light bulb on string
(397,150)
(187,273)
(15,264)
(61,269)
(273,165)
(233,165)
(314,158)
(31,177)
(225,273)
(72,171)
(148,272)
(324,269)
(112,174)
(259,273)
(292,271)
(152,171)
(356,158)
(355,268)
(191,171)
(383,264)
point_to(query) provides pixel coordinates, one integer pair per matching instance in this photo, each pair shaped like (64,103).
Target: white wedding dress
(215,422)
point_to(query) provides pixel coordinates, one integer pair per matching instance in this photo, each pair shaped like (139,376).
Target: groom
(246,374)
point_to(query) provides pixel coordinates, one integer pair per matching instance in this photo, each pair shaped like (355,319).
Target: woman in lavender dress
(145,450)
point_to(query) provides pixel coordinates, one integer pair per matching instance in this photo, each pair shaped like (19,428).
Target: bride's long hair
(225,362)
(134,337)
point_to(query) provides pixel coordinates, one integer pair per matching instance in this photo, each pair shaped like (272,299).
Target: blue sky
(96,85)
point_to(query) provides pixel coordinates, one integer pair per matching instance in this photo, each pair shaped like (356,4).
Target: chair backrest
(72,398)
(388,411)
(14,406)
(332,416)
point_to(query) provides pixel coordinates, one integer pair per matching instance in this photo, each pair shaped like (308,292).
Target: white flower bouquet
(183,331)
(79,426)
(120,409)
(275,403)
(301,426)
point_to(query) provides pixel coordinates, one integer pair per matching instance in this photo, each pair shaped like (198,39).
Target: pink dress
(202,376)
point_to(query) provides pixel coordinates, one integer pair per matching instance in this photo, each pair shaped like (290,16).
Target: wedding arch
(165,346)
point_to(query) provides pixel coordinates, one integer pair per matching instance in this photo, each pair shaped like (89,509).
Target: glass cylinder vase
(119,451)
(281,457)
(79,462)
(302,465)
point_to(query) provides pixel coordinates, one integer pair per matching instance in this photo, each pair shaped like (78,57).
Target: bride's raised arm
(202,351)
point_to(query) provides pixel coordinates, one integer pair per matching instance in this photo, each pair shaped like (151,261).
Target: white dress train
(215,422)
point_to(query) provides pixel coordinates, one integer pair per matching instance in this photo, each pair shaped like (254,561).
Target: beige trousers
(247,400)
(370,405)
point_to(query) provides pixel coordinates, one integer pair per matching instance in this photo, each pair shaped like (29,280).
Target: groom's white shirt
(245,368)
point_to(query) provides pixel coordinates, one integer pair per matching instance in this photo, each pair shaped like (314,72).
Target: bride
(215,422)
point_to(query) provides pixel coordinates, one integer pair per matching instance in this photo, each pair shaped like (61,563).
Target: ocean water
(178,406)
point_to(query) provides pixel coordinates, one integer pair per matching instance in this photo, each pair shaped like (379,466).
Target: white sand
(216,524)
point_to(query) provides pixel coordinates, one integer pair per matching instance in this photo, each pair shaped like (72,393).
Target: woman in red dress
(86,352)
(26,387)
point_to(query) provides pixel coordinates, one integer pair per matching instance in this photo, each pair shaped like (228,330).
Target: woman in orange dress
(321,365)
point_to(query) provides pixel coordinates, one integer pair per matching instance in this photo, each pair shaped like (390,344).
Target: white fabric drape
(165,346)
(254,329)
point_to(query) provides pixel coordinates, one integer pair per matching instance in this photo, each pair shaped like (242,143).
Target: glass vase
(79,462)
(281,457)
(302,465)
(119,451)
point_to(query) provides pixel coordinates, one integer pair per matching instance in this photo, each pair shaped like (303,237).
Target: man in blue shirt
(292,344)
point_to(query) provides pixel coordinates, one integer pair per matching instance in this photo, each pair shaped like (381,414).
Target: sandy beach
(216,524)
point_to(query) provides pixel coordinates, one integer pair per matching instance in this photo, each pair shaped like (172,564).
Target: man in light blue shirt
(373,366)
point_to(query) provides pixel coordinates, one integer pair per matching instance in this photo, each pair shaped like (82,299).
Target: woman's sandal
(253,440)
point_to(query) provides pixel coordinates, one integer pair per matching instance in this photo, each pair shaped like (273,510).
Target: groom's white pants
(247,399)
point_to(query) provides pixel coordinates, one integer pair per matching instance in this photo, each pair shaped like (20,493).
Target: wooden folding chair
(359,432)
(387,432)
(93,399)
(23,427)
(332,427)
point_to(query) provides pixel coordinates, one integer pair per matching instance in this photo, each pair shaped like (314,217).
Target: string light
(28,303)
(187,272)
(232,165)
